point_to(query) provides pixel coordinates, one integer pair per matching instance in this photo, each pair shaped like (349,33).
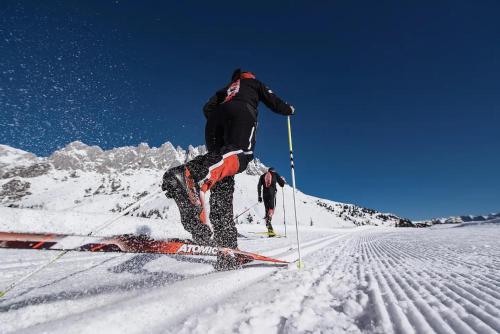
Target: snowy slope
(88,179)
(11,157)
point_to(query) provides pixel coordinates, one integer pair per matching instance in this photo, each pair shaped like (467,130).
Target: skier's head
(236,74)
(240,74)
(271,169)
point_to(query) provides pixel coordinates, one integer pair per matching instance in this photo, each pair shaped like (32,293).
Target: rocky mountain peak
(13,157)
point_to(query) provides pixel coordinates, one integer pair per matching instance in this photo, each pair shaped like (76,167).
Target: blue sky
(398,103)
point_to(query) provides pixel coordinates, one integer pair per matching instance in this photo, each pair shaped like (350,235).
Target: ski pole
(24,278)
(133,206)
(284,216)
(245,211)
(61,254)
(300,264)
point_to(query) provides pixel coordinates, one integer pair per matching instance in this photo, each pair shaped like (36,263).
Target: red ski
(121,243)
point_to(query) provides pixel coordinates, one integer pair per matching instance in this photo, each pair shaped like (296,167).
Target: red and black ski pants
(230,140)
(269,205)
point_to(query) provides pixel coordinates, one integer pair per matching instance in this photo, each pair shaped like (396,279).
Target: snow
(356,280)
(13,157)
(361,274)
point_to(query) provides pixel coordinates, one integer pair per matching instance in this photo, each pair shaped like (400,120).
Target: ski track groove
(442,288)
(377,289)
(459,324)
(448,265)
(423,318)
(485,290)
(494,280)
(471,308)
(430,251)
(452,263)
(484,321)
(465,292)
(468,293)
(376,293)
(453,305)
(429,318)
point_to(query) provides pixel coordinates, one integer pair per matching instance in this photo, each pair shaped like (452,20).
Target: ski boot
(270,230)
(202,235)
(227,260)
(180,186)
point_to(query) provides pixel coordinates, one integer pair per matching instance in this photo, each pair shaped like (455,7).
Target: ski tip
(300,264)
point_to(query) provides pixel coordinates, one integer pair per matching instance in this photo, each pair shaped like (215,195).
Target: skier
(230,138)
(268,181)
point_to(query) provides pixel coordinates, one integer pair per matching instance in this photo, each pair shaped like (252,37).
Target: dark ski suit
(267,187)
(230,138)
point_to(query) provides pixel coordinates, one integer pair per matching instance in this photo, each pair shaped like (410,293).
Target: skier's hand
(260,199)
(293,110)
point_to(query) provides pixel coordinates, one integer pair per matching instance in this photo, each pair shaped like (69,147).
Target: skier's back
(247,90)
(267,188)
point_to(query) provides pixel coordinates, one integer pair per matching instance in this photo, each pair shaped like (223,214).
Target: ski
(125,243)
(273,235)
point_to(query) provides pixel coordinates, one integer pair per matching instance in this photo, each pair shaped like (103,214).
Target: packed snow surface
(355,280)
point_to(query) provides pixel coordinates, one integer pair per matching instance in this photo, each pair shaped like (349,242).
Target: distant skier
(267,182)
(230,138)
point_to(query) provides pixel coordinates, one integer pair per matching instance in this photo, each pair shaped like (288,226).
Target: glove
(293,110)
(260,199)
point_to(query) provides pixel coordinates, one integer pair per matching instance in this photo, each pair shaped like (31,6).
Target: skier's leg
(203,172)
(237,127)
(179,185)
(266,209)
(173,183)
(221,213)
(221,216)
(269,203)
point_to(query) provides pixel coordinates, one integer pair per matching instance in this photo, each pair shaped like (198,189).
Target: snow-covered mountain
(462,219)
(12,158)
(89,179)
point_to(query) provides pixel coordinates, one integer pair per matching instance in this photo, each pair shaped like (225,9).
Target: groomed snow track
(371,280)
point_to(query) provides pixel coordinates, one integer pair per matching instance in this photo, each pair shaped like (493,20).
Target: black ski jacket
(249,91)
(270,191)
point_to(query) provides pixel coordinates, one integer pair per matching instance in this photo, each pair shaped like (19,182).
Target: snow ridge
(462,219)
